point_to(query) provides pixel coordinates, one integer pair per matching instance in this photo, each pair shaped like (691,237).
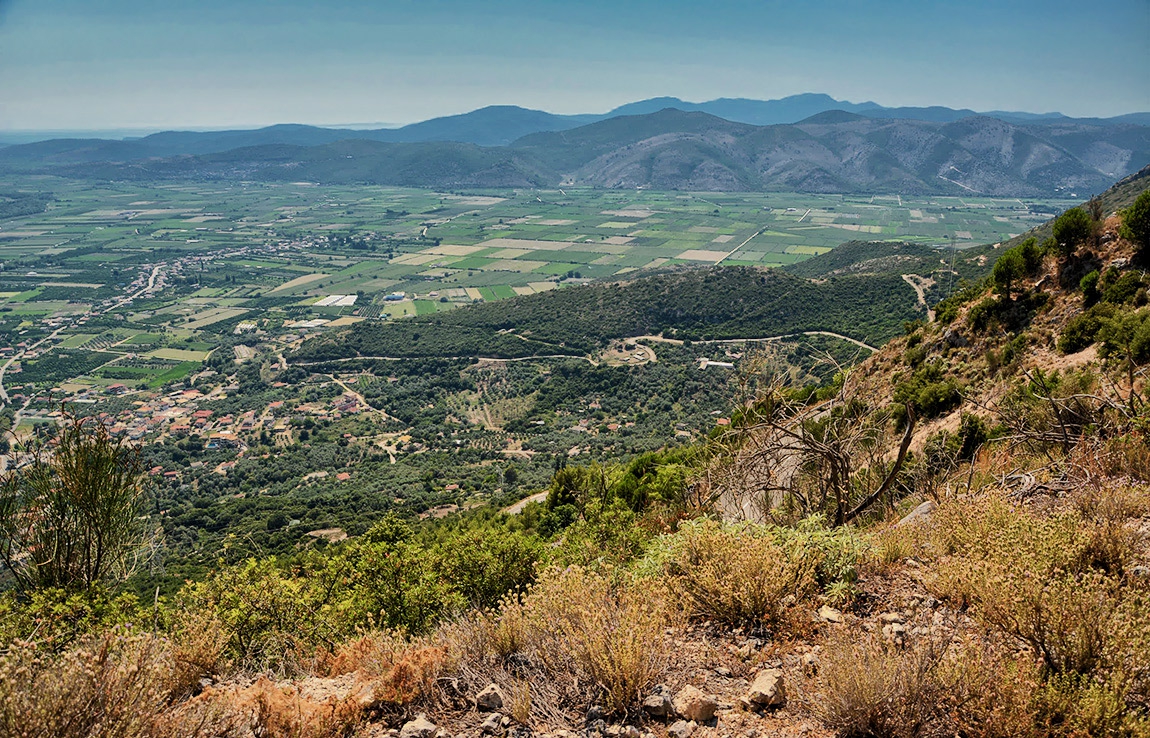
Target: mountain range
(663,143)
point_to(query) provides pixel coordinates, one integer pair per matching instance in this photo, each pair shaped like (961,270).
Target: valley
(198,319)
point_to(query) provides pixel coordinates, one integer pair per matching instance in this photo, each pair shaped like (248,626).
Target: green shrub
(1136,225)
(1081,331)
(928,391)
(1071,229)
(1089,287)
(55,618)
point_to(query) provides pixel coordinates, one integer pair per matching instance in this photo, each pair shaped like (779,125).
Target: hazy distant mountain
(496,125)
(837,151)
(833,151)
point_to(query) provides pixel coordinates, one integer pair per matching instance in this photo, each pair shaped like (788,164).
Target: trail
(446,358)
(919,285)
(766,339)
(362,400)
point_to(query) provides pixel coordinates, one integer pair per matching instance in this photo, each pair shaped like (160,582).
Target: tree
(1071,229)
(1007,272)
(1125,342)
(70,517)
(1136,226)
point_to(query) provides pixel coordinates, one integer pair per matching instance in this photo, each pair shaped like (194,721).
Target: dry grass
(117,684)
(739,575)
(577,638)
(932,687)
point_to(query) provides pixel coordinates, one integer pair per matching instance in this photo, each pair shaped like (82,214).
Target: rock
(594,713)
(829,614)
(891,617)
(420,727)
(768,689)
(919,514)
(1140,571)
(954,339)
(681,729)
(723,672)
(630,731)
(895,632)
(490,699)
(659,703)
(691,704)
(492,725)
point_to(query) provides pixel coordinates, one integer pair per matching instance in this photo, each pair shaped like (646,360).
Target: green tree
(1136,225)
(71,517)
(1071,229)
(1125,340)
(1007,272)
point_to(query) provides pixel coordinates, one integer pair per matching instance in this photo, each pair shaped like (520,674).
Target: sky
(163,64)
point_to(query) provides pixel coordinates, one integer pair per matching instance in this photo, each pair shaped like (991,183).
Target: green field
(237,259)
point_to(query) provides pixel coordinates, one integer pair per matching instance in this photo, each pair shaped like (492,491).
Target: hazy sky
(102,64)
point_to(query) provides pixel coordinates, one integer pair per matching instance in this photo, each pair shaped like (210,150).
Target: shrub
(929,688)
(928,391)
(739,575)
(71,517)
(116,684)
(1081,331)
(598,636)
(1089,287)
(483,565)
(1136,225)
(1071,229)
(55,618)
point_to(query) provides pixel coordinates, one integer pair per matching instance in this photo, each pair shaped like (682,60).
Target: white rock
(490,699)
(681,729)
(691,704)
(420,727)
(768,689)
(829,614)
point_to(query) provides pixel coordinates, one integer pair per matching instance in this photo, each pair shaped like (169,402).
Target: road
(16,357)
(919,285)
(150,286)
(767,339)
(744,243)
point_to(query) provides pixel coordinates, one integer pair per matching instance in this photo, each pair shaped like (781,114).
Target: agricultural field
(178,314)
(116,273)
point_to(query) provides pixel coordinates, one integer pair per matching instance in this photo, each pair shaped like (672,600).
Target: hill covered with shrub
(952,538)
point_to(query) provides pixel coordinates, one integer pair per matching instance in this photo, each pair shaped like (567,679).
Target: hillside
(952,538)
(668,149)
(694,304)
(832,151)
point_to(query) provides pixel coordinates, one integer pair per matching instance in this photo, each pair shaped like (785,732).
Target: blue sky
(103,64)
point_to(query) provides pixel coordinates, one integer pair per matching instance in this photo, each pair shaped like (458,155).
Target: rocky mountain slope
(669,149)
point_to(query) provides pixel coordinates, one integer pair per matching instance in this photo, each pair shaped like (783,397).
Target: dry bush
(602,633)
(739,575)
(894,544)
(577,637)
(1127,456)
(263,709)
(117,684)
(874,689)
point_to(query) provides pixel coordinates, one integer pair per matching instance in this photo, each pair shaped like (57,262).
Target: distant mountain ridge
(833,150)
(499,125)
